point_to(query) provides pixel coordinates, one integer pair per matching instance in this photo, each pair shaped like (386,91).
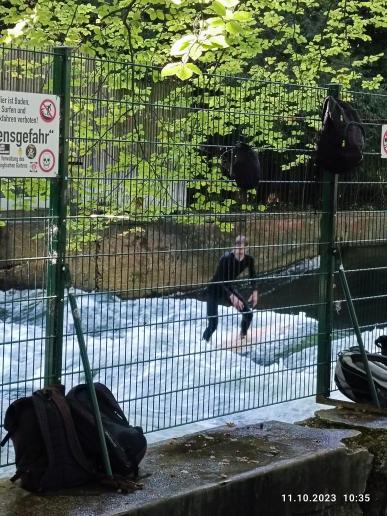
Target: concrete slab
(270,469)
(353,418)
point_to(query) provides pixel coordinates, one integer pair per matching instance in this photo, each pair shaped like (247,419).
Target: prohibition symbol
(384,143)
(46,160)
(47,110)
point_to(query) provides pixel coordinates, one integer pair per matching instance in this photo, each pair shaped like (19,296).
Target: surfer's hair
(241,240)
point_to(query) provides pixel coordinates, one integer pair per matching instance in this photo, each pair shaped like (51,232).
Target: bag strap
(71,433)
(5,440)
(39,401)
(326,110)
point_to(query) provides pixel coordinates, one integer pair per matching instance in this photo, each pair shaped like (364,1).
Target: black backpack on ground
(341,142)
(48,453)
(245,167)
(351,377)
(126,444)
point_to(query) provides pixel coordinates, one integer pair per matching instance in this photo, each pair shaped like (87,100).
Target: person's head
(241,245)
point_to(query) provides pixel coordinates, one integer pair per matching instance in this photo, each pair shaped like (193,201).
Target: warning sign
(29,134)
(48,110)
(383,143)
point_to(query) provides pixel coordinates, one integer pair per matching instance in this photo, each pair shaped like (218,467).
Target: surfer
(221,289)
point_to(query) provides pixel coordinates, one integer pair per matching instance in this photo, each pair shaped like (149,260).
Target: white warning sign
(29,134)
(383,143)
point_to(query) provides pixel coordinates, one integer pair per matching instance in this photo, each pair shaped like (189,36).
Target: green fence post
(327,269)
(57,229)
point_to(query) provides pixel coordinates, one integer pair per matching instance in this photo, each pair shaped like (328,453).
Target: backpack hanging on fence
(48,453)
(245,167)
(341,142)
(126,444)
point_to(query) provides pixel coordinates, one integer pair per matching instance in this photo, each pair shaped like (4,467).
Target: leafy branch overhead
(211,33)
(159,86)
(306,41)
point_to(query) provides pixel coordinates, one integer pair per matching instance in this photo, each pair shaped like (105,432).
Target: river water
(149,352)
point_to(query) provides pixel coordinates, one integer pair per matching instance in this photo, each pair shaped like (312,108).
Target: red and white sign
(383,143)
(46,160)
(48,110)
(29,134)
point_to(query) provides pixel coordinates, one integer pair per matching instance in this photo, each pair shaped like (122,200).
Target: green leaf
(170,69)
(184,72)
(194,68)
(233,27)
(218,8)
(195,51)
(216,28)
(226,227)
(242,16)
(215,22)
(229,3)
(181,45)
(218,41)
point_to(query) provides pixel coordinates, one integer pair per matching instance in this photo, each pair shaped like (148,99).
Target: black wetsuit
(220,289)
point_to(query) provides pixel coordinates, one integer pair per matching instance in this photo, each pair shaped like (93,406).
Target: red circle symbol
(384,142)
(47,110)
(46,160)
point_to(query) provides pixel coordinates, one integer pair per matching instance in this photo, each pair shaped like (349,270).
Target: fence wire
(152,209)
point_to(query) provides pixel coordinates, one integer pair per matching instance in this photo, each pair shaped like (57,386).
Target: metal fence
(142,212)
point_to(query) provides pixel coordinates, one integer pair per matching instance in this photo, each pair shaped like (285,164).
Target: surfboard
(235,343)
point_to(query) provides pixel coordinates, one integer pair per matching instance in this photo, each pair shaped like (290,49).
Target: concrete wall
(165,257)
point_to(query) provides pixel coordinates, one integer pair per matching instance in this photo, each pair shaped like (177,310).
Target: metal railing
(143,210)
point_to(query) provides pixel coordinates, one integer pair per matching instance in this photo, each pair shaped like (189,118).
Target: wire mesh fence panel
(152,214)
(361,232)
(152,210)
(26,227)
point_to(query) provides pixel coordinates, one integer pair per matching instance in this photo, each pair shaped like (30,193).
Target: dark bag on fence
(245,167)
(48,453)
(341,142)
(126,444)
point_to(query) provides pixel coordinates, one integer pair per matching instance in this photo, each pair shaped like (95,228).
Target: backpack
(245,167)
(47,449)
(126,444)
(341,141)
(351,377)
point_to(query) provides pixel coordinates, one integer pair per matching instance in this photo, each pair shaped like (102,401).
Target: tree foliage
(139,134)
(293,40)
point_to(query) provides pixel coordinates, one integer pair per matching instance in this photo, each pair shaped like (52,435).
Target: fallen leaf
(242,459)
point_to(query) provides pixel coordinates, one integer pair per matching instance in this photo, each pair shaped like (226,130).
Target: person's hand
(236,302)
(253,299)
